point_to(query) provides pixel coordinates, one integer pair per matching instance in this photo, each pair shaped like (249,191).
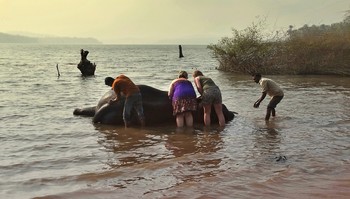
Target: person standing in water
(183,97)
(133,98)
(269,87)
(211,95)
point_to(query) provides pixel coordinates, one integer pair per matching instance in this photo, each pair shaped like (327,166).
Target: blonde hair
(183,74)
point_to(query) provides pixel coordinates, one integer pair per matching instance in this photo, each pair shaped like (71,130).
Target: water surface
(48,152)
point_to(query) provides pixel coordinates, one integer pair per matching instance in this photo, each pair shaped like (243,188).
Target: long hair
(197,73)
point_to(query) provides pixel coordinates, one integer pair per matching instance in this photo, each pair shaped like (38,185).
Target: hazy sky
(161,21)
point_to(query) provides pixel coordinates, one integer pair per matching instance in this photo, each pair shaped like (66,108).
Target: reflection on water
(201,142)
(132,146)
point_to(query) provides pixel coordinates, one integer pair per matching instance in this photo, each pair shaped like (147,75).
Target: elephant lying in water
(157,109)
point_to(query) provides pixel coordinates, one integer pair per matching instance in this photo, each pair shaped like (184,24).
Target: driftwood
(85,66)
(58,71)
(180,52)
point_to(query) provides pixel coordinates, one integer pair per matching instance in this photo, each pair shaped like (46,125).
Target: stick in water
(58,71)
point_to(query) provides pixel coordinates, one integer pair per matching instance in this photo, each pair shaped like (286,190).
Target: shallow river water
(47,152)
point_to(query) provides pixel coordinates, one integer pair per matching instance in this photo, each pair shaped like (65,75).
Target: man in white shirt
(270,88)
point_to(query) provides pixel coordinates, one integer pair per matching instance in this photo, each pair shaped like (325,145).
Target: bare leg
(189,119)
(207,111)
(220,114)
(142,122)
(180,119)
(127,124)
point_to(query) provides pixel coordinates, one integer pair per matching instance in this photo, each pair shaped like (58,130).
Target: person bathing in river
(183,97)
(211,95)
(133,99)
(270,88)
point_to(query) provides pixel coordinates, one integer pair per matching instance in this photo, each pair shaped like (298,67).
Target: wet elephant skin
(157,109)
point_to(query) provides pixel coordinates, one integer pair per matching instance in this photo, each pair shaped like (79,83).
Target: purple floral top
(181,89)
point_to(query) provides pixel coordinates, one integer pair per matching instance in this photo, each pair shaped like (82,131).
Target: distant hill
(9,38)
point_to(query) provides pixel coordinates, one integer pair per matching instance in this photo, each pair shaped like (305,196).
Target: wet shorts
(274,101)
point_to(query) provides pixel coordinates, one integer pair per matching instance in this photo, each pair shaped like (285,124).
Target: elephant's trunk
(89,112)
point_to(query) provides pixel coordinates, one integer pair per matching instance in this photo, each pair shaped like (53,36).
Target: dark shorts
(274,101)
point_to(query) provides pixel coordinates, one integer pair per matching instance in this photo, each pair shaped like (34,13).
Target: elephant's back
(150,94)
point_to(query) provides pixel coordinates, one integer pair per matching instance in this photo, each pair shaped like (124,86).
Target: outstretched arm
(198,85)
(262,97)
(118,94)
(171,90)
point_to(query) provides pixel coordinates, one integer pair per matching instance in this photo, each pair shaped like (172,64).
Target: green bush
(321,49)
(247,51)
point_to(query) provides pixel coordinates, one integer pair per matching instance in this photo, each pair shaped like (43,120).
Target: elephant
(157,109)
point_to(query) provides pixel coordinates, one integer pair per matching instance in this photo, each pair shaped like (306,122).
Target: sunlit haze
(161,21)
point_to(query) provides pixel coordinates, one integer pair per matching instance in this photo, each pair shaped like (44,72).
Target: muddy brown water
(48,152)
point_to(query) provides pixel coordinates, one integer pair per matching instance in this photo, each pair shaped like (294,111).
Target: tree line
(9,38)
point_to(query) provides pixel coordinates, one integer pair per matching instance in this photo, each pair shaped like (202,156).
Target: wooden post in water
(58,71)
(180,52)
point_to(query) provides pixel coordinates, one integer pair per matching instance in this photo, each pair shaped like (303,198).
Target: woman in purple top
(183,97)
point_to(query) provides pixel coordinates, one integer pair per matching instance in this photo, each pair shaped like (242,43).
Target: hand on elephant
(113,101)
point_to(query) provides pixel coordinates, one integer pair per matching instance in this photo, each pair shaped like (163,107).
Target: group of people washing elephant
(184,100)
(182,94)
